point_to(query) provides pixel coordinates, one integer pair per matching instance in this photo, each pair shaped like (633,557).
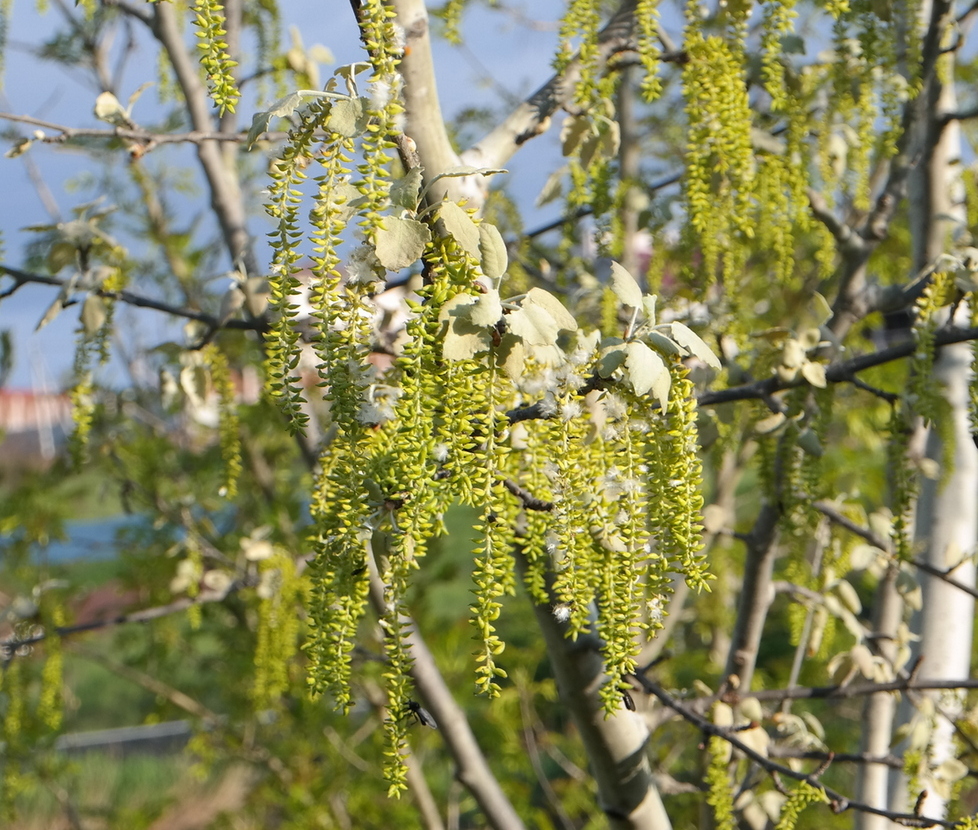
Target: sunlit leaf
(625,287)
(400,242)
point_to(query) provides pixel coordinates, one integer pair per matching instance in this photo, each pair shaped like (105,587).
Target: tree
(802,322)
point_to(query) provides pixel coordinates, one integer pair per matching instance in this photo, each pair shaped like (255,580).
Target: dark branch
(211,321)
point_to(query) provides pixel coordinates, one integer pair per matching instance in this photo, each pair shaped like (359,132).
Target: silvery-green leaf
(139,91)
(511,356)
(534,324)
(553,187)
(648,306)
(689,339)
(259,124)
(625,287)
(346,117)
(93,314)
(404,192)
(487,309)
(493,256)
(554,307)
(810,444)
(461,227)
(814,373)
(400,242)
(610,359)
(19,148)
(665,345)
(574,128)
(847,594)
(647,372)
(462,340)
(109,110)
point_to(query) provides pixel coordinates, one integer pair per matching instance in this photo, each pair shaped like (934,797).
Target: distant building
(33,426)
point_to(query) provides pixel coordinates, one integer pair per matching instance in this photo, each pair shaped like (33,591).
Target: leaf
(625,287)
(347,117)
(493,256)
(487,309)
(109,110)
(93,314)
(689,339)
(847,594)
(405,191)
(611,358)
(554,307)
(19,148)
(283,107)
(647,372)
(553,187)
(534,324)
(571,132)
(511,356)
(663,344)
(814,373)
(400,242)
(460,226)
(463,340)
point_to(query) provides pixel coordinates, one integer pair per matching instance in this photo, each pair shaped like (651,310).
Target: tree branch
(839,802)
(472,770)
(130,298)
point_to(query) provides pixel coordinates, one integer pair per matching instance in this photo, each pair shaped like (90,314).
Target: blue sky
(517,55)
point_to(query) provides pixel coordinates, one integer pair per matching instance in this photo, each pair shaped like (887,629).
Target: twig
(22,278)
(530,502)
(840,803)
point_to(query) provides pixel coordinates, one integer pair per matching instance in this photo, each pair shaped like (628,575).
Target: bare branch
(22,278)
(840,802)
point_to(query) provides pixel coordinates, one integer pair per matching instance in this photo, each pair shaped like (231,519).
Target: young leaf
(534,324)
(487,309)
(554,307)
(404,192)
(494,258)
(400,242)
(461,227)
(625,287)
(93,314)
(647,372)
(347,117)
(463,340)
(689,339)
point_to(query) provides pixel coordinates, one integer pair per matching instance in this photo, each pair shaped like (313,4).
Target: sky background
(505,46)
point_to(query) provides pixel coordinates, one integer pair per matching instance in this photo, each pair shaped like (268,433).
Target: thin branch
(530,502)
(12,645)
(22,278)
(839,802)
(472,769)
(147,138)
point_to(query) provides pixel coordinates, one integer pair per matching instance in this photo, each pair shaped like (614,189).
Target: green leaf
(511,356)
(459,224)
(612,356)
(574,128)
(347,117)
(400,242)
(487,309)
(463,340)
(554,307)
(406,190)
(625,287)
(814,373)
(534,324)
(109,110)
(689,339)
(647,372)
(553,187)
(664,345)
(93,314)
(494,258)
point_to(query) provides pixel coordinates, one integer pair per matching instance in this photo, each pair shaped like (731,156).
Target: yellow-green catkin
(801,797)
(50,706)
(280,590)
(719,794)
(227,418)
(214,57)
(718,185)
